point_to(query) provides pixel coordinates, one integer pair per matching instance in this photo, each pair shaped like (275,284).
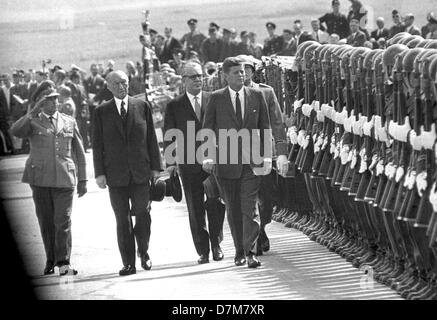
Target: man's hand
(172,170)
(36,108)
(155,173)
(101,181)
(282,164)
(208,166)
(81,188)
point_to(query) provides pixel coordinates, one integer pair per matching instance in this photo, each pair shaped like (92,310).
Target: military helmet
(426,63)
(301,48)
(417,62)
(414,42)
(391,52)
(309,51)
(406,39)
(424,42)
(398,37)
(356,55)
(398,66)
(408,61)
(432,44)
(368,58)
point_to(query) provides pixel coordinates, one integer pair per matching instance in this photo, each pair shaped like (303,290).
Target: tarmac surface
(295,268)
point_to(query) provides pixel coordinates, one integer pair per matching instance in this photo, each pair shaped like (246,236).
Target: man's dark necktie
(123,111)
(238,110)
(52,122)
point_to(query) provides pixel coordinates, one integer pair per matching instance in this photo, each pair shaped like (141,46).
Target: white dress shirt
(242,98)
(55,118)
(118,104)
(191,98)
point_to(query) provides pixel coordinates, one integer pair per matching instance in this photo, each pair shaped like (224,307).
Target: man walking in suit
(126,156)
(182,112)
(267,188)
(55,164)
(241,109)
(357,37)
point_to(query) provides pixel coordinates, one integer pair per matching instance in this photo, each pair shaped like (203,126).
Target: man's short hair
(287,31)
(231,62)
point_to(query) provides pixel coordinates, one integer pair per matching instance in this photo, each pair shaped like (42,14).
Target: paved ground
(295,267)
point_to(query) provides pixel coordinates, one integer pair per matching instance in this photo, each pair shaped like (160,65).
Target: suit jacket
(358,40)
(220,114)
(384,34)
(121,154)
(415,31)
(179,111)
(275,117)
(166,53)
(57,157)
(289,49)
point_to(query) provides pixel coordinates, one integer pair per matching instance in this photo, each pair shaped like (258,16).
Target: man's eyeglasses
(194,76)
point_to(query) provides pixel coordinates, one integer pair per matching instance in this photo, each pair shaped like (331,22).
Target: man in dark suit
(243,109)
(381,31)
(126,156)
(267,189)
(409,25)
(55,165)
(170,43)
(289,47)
(357,37)
(182,112)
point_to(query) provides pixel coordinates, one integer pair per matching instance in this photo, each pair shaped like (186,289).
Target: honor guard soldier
(55,165)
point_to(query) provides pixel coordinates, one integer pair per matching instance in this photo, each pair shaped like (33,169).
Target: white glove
(306,109)
(368,126)
(297,104)
(421,183)
(292,134)
(433,196)
(301,137)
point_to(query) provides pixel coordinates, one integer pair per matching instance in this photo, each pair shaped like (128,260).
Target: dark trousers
(53,209)
(243,218)
(196,204)
(267,197)
(132,200)
(83,129)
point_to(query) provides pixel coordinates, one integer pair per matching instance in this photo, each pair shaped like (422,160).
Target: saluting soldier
(273,43)
(192,41)
(55,165)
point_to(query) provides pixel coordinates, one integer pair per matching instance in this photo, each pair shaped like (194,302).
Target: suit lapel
(205,98)
(230,105)
(247,96)
(131,109)
(188,107)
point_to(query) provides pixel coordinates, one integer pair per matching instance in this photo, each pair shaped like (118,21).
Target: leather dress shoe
(203,259)
(217,254)
(252,261)
(239,260)
(49,268)
(127,270)
(146,263)
(66,269)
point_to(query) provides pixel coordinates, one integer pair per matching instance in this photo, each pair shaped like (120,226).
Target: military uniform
(55,164)
(192,41)
(336,24)
(273,45)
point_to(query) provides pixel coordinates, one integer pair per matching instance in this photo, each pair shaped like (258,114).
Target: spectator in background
(19,99)
(335,21)
(5,138)
(67,105)
(109,67)
(397,26)
(381,31)
(358,12)
(229,47)
(273,43)
(409,25)
(211,47)
(59,77)
(425,28)
(135,84)
(177,63)
(234,34)
(319,35)
(290,44)
(334,38)
(357,37)
(170,43)
(192,41)
(432,26)
(243,47)
(298,30)
(255,48)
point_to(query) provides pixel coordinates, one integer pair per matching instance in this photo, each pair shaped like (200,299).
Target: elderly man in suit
(182,112)
(357,37)
(381,31)
(126,156)
(55,165)
(409,25)
(232,113)
(267,188)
